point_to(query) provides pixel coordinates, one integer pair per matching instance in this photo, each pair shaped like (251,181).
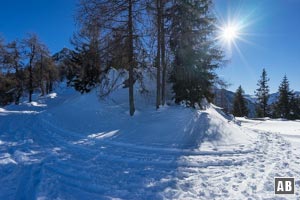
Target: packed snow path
(41,160)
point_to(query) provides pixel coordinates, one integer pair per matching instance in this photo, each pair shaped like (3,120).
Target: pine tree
(283,107)
(294,107)
(195,52)
(239,104)
(86,58)
(262,94)
(7,83)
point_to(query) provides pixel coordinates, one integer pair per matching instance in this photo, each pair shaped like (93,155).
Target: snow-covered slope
(72,146)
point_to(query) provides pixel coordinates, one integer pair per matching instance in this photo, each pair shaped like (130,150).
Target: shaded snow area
(72,146)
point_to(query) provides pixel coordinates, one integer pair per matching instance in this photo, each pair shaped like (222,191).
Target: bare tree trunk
(163,57)
(47,87)
(19,86)
(30,79)
(158,61)
(41,77)
(131,81)
(50,83)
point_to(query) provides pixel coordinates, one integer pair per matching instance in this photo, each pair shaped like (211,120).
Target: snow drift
(172,126)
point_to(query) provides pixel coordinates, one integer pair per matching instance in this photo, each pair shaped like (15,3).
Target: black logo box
(284,183)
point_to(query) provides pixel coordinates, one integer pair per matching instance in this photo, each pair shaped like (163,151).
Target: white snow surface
(72,146)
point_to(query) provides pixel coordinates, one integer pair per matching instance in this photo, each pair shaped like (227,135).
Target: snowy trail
(40,159)
(105,169)
(254,178)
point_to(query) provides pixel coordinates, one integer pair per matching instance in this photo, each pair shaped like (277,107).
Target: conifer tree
(239,104)
(282,108)
(294,107)
(86,58)
(195,52)
(262,94)
(288,105)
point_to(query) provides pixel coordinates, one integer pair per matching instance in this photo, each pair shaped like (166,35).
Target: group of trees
(26,66)
(287,104)
(176,38)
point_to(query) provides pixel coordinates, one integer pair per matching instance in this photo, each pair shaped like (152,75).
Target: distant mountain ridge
(224,98)
(272,99)
(63,54)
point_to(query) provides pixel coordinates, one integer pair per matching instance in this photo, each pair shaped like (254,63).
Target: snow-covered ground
(71,146)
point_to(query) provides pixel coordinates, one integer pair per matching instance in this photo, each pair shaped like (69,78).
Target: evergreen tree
(86,58)
(283,108)
(294,106)
(195,52)
(7,83)
(262,94)
(239,104)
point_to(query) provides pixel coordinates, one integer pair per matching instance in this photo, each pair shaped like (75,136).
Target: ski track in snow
(39,160)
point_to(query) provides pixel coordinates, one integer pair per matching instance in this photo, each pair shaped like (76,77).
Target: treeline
(25,66)
(175,40)
(287,104)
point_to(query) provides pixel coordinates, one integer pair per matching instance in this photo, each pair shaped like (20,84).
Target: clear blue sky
(52,20)
(273,35)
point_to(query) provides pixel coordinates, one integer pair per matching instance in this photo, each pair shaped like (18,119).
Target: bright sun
(233,30)
(229,33)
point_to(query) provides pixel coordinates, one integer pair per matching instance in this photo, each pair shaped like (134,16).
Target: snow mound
(169,127)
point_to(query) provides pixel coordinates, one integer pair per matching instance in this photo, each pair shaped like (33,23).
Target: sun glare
(229,33)
(233,30)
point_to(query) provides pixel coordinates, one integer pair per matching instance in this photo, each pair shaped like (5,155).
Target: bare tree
(13,60)
(117,22)
(33,50)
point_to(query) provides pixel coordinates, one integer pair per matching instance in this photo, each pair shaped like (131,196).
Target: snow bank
(169,127)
